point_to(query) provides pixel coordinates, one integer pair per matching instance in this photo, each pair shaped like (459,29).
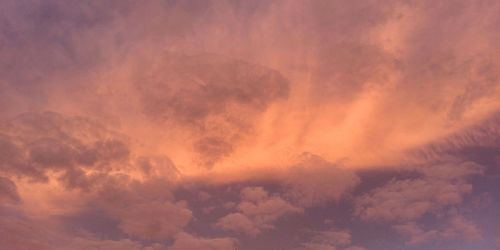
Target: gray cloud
(256,212)
(408,200)
(8,191)
(457,227)
(315,181)
(217,97)
(404,203)
(186,241)
(154,220)
(35,143)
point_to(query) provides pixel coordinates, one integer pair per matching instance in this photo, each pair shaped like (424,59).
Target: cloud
(409,199)
(406,200)
(20,232)
(257,211)
(212,96)
(458,228)
(186,241)
(314,181)
(330,239)
(240,223)
(37,143)
(196,87)
(94,159)
(125,244)
(254,194)
(483,134)
(144,209)
(154,220)
(8,191)
(404,203)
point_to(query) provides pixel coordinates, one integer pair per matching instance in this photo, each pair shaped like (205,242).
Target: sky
(250,125)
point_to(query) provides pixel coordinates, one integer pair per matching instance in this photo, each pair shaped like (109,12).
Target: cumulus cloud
(20,232)
(154,221)
(406,200)
(457,228)
(314,181)
(410,199)
(86,155)
(330,240)
(82,243)
(403,203)
(257,211)
(240,223)
(144,209)
(187,241)
(36,143)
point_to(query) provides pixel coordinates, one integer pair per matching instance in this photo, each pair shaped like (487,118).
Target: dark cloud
(315,181)
(154,220)
(410,199)
(191,88)
(457,227)
(330,239)
(36,143)
(8,191)
(186,241)
(26,233)
(405,203)
(483,135)
(257,211)
(214,95)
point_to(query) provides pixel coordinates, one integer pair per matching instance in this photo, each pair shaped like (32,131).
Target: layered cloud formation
(232,124)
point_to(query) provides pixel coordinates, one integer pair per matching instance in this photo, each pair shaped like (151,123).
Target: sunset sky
(250,125)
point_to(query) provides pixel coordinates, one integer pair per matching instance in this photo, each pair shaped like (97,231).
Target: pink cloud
(330,239)
(154,220)
(8,191)
(257,211)
(457,227)
(443,185)
(185,241)
(314,181)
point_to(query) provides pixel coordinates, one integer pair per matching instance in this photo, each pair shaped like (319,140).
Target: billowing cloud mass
(233,124)
(440,187)
(256,212)
(330,239)
(186,241)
